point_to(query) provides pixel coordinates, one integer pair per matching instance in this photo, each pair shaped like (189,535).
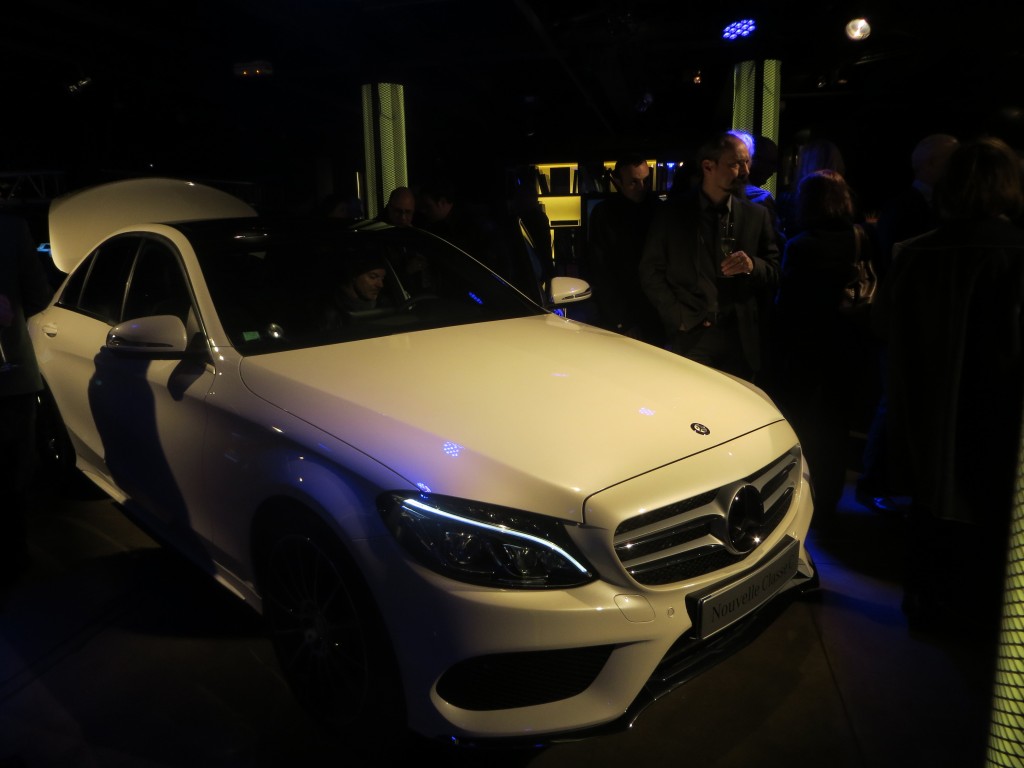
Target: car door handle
(50,329)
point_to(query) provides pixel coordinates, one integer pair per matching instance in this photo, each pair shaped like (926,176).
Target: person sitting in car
(359,290)
(363,284)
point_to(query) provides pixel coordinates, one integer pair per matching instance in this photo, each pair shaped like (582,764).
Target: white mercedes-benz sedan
(455,509)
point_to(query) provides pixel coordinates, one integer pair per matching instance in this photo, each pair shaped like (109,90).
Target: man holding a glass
(710,264)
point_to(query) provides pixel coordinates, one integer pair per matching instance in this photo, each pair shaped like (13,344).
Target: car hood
(536,412)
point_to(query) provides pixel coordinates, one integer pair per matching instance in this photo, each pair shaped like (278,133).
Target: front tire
(328,636)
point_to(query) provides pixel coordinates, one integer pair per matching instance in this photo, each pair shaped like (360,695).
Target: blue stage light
(739,29)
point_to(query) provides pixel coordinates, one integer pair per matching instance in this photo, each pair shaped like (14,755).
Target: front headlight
(485,544)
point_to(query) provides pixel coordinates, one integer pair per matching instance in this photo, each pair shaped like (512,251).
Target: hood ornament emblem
(700,429)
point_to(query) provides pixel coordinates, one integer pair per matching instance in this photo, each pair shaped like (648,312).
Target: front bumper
(512,665)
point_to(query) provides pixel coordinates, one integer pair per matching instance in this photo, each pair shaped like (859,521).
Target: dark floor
(115,653)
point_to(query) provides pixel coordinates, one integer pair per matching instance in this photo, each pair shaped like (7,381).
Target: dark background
(99,89)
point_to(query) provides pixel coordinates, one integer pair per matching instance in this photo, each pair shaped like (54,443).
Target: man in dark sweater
(616,233)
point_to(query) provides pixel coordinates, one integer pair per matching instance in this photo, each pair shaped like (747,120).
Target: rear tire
(55,453)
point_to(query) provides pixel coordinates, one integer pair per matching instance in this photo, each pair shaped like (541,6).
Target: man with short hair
(763,164)
(401,207)
(710,264)
(616,232)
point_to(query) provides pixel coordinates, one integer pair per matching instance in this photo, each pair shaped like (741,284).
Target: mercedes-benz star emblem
(746,515)
(700,429)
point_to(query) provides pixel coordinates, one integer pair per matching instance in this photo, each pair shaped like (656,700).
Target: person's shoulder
(824,239)
(801,241)
(745,202)
(759,195)
(686,198)
(674,207)
(755,210)
(604,205)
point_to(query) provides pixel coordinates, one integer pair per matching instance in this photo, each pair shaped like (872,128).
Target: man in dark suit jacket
(617,231)
(713,293)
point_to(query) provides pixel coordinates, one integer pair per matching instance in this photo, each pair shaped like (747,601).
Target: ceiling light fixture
(737,29)
(259,68)
(79,85)
(858,29)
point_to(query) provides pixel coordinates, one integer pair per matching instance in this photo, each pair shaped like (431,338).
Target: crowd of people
(934,347)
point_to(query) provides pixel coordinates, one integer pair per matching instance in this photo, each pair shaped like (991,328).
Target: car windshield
(287,285)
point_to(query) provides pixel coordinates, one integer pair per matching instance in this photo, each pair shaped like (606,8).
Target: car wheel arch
(54,448)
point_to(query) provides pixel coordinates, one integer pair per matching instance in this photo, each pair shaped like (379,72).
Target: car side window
(157,284)
(102,294)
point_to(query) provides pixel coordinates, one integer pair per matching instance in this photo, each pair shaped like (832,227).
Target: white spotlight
(858,29)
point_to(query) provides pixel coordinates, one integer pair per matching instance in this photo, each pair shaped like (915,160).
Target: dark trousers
(718,346)
(17,465)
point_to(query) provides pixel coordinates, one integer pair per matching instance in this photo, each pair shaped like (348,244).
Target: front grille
(691,537)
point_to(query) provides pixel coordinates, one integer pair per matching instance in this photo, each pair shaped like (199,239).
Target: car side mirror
(154,336)
(567,290)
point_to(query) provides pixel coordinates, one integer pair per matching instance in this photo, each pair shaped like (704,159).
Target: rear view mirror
(155,336)
(566,290)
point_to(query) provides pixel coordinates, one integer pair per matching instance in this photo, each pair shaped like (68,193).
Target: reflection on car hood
(517,412)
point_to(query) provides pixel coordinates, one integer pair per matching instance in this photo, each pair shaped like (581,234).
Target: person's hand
(737,263)
(6,311)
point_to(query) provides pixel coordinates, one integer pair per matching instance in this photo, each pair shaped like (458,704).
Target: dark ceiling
(111,86)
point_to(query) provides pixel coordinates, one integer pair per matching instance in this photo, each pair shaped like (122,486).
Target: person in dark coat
(951,310)
(910,213)
(24,290)
(616,233)
(440,211)
(913,211)
(710,265)
(819,345)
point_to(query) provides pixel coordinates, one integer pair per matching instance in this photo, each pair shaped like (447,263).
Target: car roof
(81,220)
